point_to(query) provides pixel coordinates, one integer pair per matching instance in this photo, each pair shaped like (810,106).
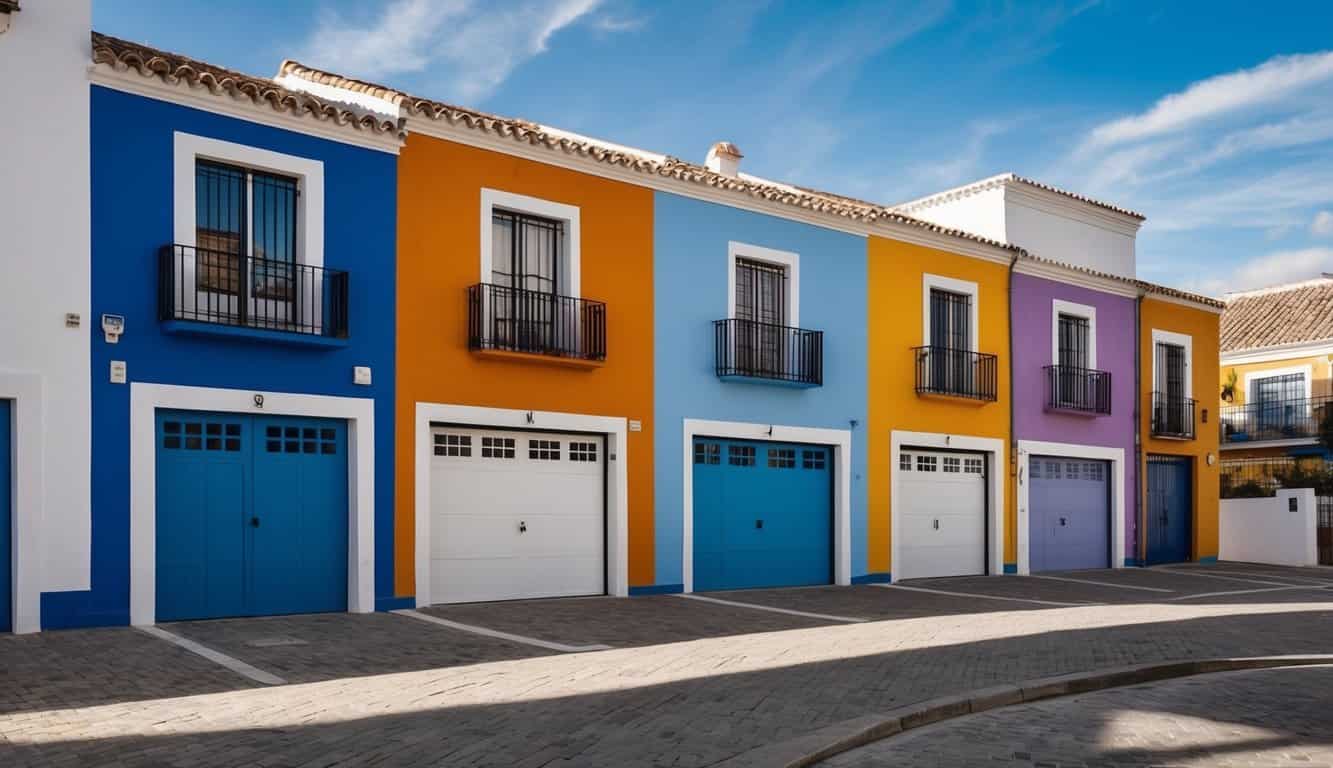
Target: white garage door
(516,515)
(942,497)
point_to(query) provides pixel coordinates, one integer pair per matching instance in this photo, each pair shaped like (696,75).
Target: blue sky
(1215,119)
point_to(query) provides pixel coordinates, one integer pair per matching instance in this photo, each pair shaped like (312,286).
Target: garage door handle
(758,523)
(522,527)
(937,525)
(1062,522)
(254,522)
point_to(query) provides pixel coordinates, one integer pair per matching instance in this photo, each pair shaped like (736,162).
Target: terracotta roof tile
(1286,314)
(534,134)
(172,68)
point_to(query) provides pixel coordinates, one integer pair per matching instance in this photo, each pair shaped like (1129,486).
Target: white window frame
(952,285)
(189,148)
(1181,340)
(1061,307)
(791,266)
(1306,370)
(27,425)
(570,269)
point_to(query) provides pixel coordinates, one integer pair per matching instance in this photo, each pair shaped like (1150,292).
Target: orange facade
(440,187)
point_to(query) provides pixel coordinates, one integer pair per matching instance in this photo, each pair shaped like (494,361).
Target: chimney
(724,158)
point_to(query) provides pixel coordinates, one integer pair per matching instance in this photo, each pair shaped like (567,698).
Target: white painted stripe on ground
(217,657)
(771,609)
(1250,591)
(1183,572)
(1279,575)
(1100,583)
(983,597)
(485,632)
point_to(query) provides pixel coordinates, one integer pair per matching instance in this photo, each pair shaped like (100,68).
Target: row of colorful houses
(313,344)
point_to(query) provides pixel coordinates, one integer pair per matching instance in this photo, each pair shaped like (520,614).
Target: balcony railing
(955,373)
(218,287)
(748,348)
(520,320)
(1078,390)
(1296,419)
(1172,416)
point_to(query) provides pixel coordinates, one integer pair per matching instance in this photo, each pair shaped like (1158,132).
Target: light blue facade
(132,219)
(691,266)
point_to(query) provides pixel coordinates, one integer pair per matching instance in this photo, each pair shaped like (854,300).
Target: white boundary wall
(1277,530)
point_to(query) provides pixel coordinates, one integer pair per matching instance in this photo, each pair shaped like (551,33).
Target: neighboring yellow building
(1178,346)
(939,410)
(1276,377)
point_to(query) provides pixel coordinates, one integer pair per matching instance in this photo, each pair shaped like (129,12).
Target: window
(905,462)
(740,455)
(243,213)
(202,436)
(973,466)
(950,362)
(925,463)
(294,439)
(1278,403)
(813,459)
(544,450)
(497,447)
(1073,342)
(781,458)
(527,252)
(707,453)
(952,464)
(453,445)
(1034,469)
(761,304)
(582,451)
(1053,470)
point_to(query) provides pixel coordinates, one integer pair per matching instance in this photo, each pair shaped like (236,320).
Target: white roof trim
(1279,352)
(1073,276)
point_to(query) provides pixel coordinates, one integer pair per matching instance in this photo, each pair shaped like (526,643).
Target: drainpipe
(1013,438)
(1141,528)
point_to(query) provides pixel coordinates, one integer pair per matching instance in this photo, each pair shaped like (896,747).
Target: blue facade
(132,217)
(691,265)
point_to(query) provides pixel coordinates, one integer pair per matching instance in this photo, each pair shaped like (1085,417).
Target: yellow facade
(1202,327)
(896,289)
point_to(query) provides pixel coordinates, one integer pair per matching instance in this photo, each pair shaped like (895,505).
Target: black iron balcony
(1172,416)
(222,288)
(751,349)
(955,373)
(1078,390)
(1296,419)
(519,320)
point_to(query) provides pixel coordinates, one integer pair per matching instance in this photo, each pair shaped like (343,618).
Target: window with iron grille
(527,256)
(950,364)
(1073,342)
(761,299)
(242,213)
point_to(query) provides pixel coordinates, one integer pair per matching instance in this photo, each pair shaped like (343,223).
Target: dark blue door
(1170,508)
(763,514)
(6,517)
(245,522)
(1069,513)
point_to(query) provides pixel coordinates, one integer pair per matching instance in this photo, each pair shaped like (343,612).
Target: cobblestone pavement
(1254,719)
(721,680)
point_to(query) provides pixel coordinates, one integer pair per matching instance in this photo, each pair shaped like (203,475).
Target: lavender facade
(1074,394)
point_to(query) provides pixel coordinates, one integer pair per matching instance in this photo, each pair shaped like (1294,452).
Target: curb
(821,744)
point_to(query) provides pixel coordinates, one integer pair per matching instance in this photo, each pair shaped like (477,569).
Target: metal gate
(1324,530)
(1170,508)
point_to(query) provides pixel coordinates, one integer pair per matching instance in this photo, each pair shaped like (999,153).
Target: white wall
(1267,531)
(981,214)
(44,260)
(1050,233)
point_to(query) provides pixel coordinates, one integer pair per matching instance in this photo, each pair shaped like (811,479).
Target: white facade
(1047,224)
(1277,530)
(45,231)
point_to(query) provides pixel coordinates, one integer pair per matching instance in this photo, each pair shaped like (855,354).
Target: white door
(942,523)
(516,515)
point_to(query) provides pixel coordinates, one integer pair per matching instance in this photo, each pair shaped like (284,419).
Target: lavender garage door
(1070,504)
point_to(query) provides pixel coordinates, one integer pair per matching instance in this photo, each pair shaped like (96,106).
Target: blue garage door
(6,518)
(1170,509)
(1069,513)
(252,515)
(763,514)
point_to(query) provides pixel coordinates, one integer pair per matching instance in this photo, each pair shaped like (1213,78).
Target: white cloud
(1270,269)
(1271,81)
(468,48)
(1322,224)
